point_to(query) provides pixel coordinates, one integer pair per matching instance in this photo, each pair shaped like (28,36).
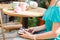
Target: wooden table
(30,13)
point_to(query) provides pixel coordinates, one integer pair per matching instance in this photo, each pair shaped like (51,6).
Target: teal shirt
(52,14)
(48,25)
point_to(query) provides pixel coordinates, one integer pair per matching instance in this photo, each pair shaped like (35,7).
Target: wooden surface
(30,13)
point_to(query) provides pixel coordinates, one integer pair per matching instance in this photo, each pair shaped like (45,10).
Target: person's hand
(33,29)
(26,35)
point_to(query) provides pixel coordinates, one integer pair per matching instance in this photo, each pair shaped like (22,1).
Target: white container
(15,4)
(33,4)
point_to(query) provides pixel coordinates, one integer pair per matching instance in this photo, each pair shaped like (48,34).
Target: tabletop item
(15,4)
(17,9)
(21,7)
(33,4)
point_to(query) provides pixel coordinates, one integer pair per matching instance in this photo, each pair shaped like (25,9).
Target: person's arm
(37,28)
(46,35)
(50,34)
(52,2)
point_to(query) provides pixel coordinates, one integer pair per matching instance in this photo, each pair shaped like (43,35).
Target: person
(52,23)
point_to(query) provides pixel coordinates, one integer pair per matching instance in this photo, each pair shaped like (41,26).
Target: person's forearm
(39,28)
(46,35)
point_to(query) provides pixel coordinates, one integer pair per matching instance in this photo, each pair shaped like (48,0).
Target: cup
(23,6)
(15,4)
